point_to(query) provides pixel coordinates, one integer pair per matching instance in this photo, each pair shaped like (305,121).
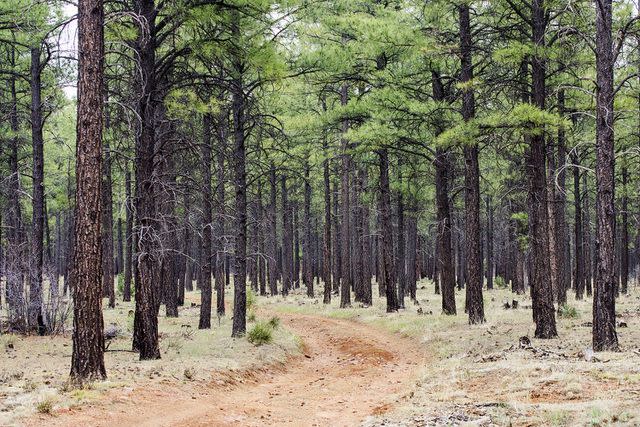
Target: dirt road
(349,371)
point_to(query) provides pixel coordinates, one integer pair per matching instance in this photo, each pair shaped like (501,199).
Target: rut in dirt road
(349,371)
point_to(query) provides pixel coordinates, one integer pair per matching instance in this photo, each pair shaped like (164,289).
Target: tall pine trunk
(472,250)
(604,306)
(444,259)
(541,291)
(207,220)
(87,358)
(34,310)
(240,184)
(387,233)
(145,337)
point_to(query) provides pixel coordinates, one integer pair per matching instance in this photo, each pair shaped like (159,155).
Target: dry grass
(481,375)
(35,369)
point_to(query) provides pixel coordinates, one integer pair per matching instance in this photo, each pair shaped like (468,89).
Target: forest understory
(331,366)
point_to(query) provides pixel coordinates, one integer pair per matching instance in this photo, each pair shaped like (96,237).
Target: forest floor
(331,366)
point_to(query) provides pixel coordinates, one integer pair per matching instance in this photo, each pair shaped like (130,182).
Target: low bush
(261,333)
(567,311)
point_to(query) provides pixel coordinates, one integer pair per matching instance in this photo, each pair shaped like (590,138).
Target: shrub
(500,283)
(274,322)
(120,284)
(567,311)
(251,317)
(251,299)
(261,333)
(45,406)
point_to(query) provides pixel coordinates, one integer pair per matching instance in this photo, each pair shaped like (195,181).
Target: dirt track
(349,371)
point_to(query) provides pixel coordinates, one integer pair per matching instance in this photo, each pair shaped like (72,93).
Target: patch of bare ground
(348,372)
(34,370)
(491,374)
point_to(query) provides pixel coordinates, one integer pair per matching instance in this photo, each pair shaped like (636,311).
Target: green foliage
(500,283)
(251,299)
(274,322)
(568,312)
(261,333)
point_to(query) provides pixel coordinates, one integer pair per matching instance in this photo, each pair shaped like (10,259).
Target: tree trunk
(219,226)
(87,358)
(34,311)
(15,237)
(542,293)
(579,279)
(412,241)
(307,259)
(490,259)
(146,314)
(120,246)
(107,227)
(387,233)
(472,250)
(587,239)
(287,240)
(272,242)
(604,306)
(207,220)
(326,248)
(563,280)
(128,263)
(624,241)
(337,239)
(345,207)
(444,258)
(401,258)
(240,184)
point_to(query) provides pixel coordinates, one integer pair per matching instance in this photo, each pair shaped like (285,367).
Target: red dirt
(349,371)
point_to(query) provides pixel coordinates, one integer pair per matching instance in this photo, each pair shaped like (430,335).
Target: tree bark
(207,220)
(240,183)
(472,250)
(563,279)
(443,217)
(107,227)
(326,248)
(128,263)
(34,309)
(87,358)
(579,278)
(490,237)
(604,306)
(542,293)
(287,239)
(146,314)
(387,233)
(272,242)
(220,226)
(307,250)
(15,237)
(624,241)
(345,208)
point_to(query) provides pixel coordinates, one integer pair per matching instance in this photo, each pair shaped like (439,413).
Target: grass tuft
(274,322)
(568,312)
(45,406)
(261,333)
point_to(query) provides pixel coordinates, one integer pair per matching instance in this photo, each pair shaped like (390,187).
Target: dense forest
(200,154)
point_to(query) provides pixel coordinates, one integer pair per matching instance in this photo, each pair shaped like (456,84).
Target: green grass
(261,333)
(568,312)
